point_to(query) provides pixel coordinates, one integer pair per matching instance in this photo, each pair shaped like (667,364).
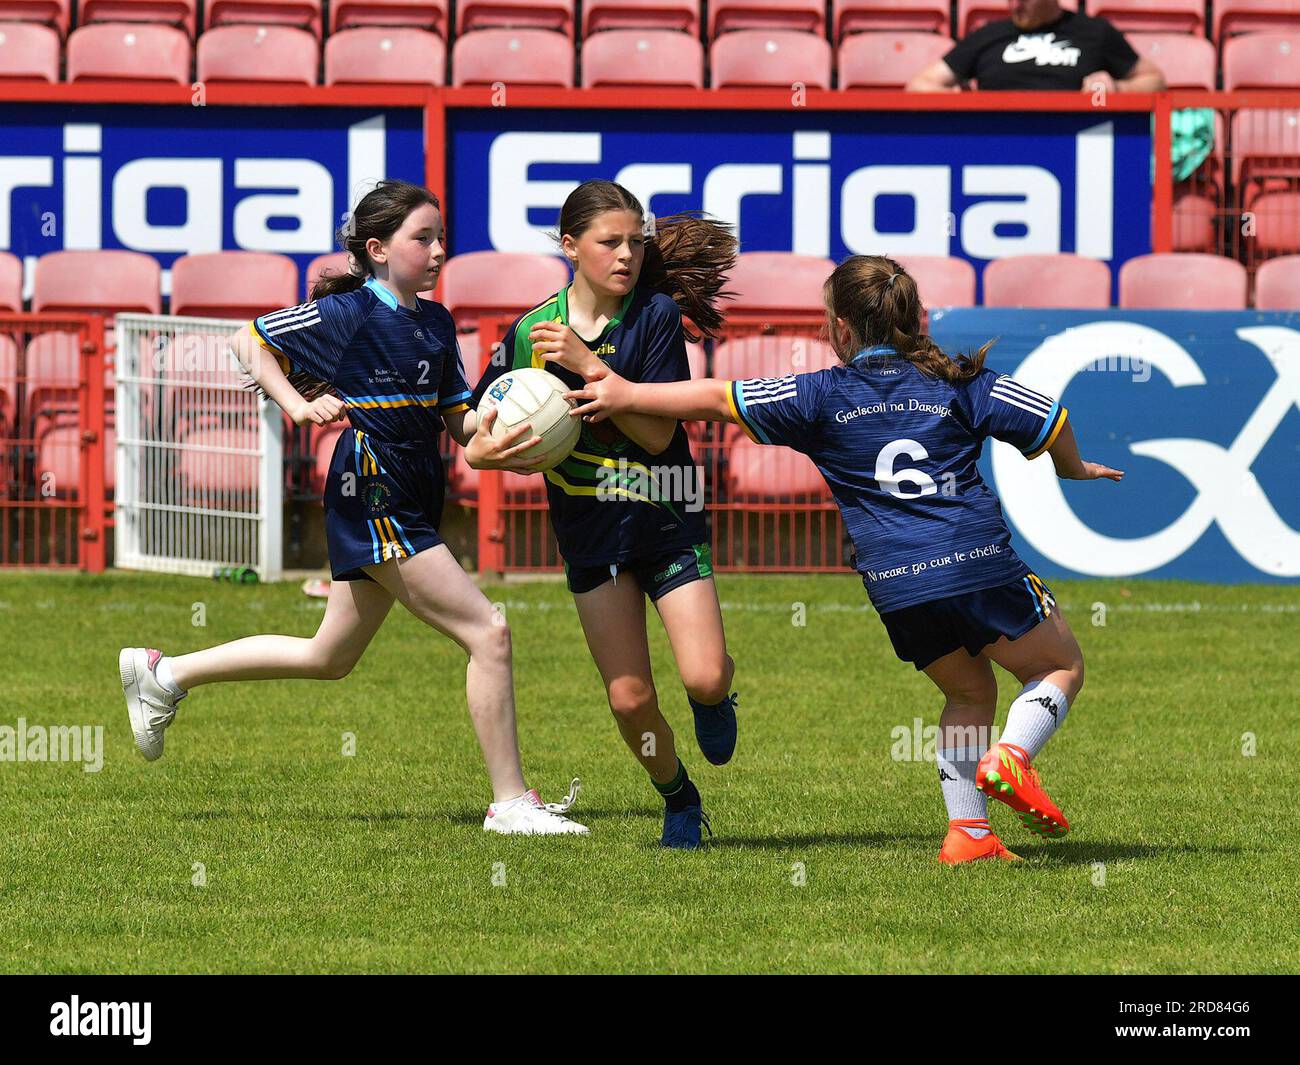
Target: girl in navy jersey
(896,431)
(366,347)
(627,505)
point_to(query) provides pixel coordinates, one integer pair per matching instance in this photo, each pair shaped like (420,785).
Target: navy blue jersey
(611,500)
(397,370)
(898,450)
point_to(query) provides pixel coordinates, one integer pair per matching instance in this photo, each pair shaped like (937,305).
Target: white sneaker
(150,705)
(529,816)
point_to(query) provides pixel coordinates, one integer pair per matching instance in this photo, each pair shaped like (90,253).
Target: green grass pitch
(1182,856)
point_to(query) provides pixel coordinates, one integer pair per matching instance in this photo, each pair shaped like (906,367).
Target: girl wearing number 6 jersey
(896,431)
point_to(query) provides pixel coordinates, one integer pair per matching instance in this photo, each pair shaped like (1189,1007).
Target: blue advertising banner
(1201,409)
(174,180)
(976,185)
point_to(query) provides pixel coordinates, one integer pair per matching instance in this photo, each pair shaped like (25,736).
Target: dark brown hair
(879,303)
(379,214)
(687,256)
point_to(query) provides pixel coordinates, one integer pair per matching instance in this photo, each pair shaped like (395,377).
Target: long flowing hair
(687,255)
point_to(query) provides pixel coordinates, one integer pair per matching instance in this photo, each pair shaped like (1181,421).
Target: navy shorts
(382,501)
(924,633)
(656,574)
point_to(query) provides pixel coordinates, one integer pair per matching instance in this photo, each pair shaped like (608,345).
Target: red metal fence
(56,441)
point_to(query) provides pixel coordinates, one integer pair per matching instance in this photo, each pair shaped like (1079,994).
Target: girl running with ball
(626,528)
(896,431)
(366,347)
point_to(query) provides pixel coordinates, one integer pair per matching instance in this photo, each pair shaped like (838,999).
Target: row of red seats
(662,58)
(617,58)
(240,284)
(724,16)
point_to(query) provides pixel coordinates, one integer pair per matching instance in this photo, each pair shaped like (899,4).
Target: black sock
(680,792)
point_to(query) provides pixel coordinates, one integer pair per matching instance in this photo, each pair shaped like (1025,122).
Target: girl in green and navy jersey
(627,504)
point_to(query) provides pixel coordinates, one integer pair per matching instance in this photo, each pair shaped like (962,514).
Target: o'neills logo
(102,1018)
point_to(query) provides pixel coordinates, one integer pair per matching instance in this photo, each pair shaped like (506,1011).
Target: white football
(532,395)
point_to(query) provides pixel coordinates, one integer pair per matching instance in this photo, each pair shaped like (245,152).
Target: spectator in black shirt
(1042,47)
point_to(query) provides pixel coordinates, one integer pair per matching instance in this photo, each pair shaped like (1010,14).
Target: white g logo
(1227,491)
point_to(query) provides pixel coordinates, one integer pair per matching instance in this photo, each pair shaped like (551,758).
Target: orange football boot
(1004,773)
(959,847)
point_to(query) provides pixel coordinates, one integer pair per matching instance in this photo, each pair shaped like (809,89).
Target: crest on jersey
(375,495)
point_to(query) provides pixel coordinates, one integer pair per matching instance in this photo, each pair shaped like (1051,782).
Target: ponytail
(880,304)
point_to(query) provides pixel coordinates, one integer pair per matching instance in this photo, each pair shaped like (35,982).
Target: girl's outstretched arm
(701,399)
(1065,457)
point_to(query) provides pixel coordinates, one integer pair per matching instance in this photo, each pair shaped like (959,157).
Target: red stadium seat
(179,13)
(323,440)
(1277,284)
(1187,62)
(972,14)
(636,58)
(498,282)
(1194,218)
(1251,16)
(11,282)
(304,14)
(233,284)
(374,55)
(8,387)
(520,488)
(1265,146)
(777,58)
(1262,61)
(857,16)
(105,282)
(1276,229)
(888,60)
(429,15)
(56,13)
(518,14)
(803,16)
(1177,281)
(680,15)
(757,473)
(1163,16)
(129,50)
(775,282)
(335,262)
(258,53)
(58,453)
(514,57)
(1066,281)
(28,51)
(772,355)
(941,280)
(210,464)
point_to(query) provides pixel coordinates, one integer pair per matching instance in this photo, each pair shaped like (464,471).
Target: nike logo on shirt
(1044,49)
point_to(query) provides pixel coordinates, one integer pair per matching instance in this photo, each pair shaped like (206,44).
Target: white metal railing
(200,472)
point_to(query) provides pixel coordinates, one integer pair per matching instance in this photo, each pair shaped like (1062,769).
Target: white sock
(1039,710)
(163,671)
(964,800)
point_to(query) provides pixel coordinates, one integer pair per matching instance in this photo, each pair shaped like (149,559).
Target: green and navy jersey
(398,370)
(611,500)
(898,450)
